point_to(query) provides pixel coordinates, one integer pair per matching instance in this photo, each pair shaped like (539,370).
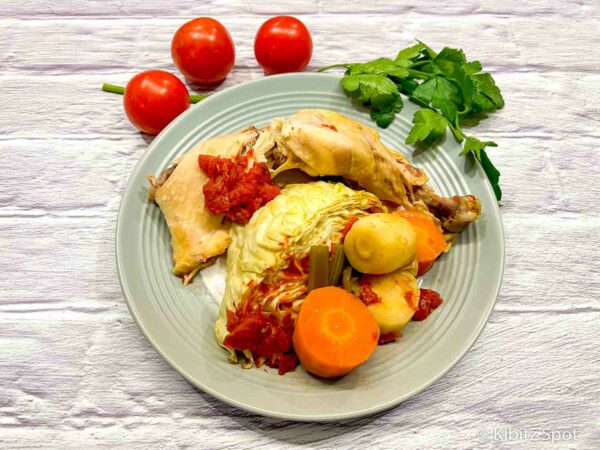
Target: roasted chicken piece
(326,143)
(454,213)
(317,142)
(198,236)
(322,143)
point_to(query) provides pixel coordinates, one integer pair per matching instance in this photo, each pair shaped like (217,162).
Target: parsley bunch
(450,90)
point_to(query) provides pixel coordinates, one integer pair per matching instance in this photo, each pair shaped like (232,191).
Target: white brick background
(76,372)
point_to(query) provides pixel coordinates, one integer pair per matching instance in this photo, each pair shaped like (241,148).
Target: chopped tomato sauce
(388,337)
(285,363)
(331,127)
(264,334)
(348,226)
(428,301)
(234,188)
(367,294)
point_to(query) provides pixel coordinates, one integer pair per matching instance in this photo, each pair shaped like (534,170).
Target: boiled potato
(399,296)
(380,243)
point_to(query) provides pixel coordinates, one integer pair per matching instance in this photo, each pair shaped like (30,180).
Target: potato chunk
(380,243)
(399,296)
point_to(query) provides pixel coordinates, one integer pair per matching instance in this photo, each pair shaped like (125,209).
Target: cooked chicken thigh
(317,142)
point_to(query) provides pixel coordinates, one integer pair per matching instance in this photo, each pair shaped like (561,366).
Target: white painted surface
(74,369)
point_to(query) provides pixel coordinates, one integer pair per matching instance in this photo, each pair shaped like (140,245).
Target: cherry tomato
(153,99)
(203,51)
(283,44)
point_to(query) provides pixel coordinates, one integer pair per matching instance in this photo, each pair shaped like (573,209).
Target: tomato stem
(197,97)
(113,88)
(121,90)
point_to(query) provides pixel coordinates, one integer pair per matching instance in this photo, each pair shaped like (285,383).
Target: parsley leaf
(465,82)
(410,53)
(428,126)
(476,148)
(407,86)
(492,173)
(384,118)
(440,93)
(448,60)
(427,50)
(376,91)
(381,66)
(451,91)
(487,96)
(472,67)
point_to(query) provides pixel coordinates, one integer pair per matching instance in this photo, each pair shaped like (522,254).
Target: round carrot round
(430,239)
(335,332)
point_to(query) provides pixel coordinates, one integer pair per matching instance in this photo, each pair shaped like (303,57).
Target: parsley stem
(333,66)
(420,75)
(457,125)
(121,90)
(464,111)
(420,63)
(456,130)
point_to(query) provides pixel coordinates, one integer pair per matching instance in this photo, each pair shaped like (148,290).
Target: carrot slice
(335,332)
(430,239)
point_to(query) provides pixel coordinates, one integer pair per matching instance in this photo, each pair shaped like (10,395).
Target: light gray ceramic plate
(178,320)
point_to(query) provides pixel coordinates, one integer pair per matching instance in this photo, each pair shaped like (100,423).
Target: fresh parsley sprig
(450,90)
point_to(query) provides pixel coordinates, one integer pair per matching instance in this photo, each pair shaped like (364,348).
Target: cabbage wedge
(266,261)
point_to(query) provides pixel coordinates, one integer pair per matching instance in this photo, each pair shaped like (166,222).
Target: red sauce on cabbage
(348,226)
(234,188)
(268,336)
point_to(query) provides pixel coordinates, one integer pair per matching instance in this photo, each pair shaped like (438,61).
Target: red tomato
(153,99)
(283,44)
(203,51)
